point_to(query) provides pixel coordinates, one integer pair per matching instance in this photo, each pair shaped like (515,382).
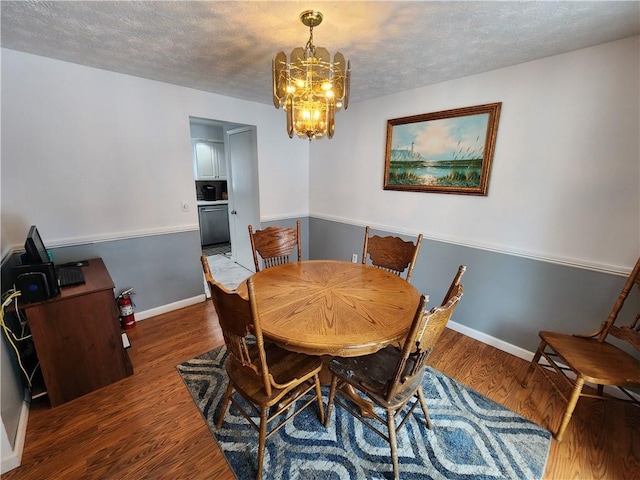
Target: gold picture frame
(442,152)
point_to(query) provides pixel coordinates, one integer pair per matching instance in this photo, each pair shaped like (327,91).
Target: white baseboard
(493,341)
(152,312)
(522,353)
(13,457)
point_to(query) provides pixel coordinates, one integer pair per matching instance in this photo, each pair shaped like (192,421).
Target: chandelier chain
(310,47)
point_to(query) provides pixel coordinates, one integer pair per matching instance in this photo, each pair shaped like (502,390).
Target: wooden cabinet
(209,160)
(77,337)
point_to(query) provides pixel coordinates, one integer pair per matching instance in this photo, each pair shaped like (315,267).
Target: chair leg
(264,415)
(423,404)
(534,361)
(225,404)
(316,379)
(571,405)
(332,393)
(391,426)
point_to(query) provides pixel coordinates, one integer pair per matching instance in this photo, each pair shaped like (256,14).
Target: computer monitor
(36,251)
(36,277)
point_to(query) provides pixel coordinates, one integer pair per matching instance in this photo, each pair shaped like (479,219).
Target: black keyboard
(70,276)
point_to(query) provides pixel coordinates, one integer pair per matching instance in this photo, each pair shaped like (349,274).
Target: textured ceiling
(226,47)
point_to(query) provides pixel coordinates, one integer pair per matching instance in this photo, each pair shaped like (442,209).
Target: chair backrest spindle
(275,245)
(454,284)
(630,333)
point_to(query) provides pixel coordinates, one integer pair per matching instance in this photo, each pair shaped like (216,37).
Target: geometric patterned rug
(473,437)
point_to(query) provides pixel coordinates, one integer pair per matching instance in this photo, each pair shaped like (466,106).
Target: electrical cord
(35,369)
(7,298)
(24,326)
(13,296)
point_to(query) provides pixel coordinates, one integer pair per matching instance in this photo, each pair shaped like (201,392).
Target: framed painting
(442,152)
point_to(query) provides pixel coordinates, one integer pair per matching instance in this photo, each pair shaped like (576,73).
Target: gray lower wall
(505,296)
(162,269)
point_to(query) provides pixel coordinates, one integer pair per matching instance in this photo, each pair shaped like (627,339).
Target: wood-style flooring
(147,426)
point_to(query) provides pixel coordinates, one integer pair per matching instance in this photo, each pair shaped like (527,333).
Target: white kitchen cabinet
(208,160)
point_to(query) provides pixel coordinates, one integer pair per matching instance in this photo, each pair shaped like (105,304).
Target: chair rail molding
(569,262)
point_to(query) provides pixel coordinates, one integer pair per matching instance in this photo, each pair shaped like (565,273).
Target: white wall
(89,154)
(566,172)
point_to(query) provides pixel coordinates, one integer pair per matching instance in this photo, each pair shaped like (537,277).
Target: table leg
(325,374)
(366,407)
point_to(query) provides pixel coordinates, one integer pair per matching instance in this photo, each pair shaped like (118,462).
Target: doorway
(217,249)
(233,170)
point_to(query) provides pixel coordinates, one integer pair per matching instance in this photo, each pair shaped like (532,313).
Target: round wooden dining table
(326,307)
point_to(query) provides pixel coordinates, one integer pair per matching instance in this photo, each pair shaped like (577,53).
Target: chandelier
(309,87)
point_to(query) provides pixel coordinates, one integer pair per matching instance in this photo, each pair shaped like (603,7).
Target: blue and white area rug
(473,437)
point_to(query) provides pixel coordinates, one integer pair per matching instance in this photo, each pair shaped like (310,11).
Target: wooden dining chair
(265,376)
(577,359)
(206,269)
(391,378)
(391,253)
(275,245)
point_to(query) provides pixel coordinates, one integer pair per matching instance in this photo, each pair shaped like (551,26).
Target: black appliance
(208,192)
(36,282)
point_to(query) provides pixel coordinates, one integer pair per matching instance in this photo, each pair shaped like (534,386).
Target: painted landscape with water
(444,173)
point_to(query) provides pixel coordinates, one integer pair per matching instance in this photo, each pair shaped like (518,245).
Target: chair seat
(599,363)
(283,365)
(591,359)
(371,374)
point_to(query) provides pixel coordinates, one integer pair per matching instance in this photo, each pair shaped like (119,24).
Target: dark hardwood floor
(147,426)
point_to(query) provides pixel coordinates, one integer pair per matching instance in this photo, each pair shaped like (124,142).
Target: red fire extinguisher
(125,306)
